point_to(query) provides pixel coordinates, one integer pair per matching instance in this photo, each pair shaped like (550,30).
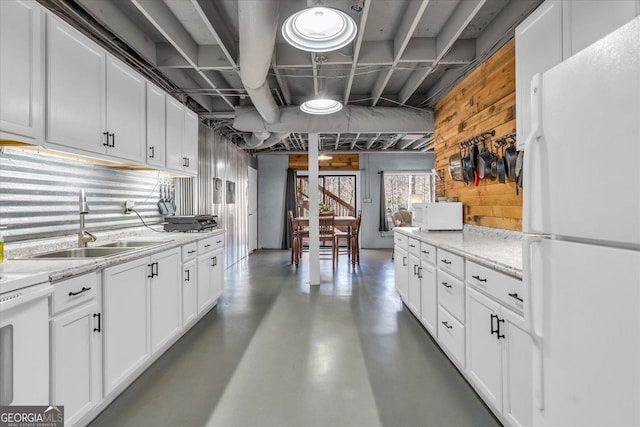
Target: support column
(314,210)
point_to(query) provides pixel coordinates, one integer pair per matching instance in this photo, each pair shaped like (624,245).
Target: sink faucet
(83,235)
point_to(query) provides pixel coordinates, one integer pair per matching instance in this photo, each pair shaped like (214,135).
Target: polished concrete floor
(278,352)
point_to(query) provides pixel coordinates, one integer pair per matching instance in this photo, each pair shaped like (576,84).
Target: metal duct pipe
(258,23)
(253,143)
(351,119)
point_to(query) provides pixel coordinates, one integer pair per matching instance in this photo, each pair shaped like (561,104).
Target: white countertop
(497,249)
(59,269)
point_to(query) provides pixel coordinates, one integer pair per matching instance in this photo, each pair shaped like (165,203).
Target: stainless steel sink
(93,252)
(129,244)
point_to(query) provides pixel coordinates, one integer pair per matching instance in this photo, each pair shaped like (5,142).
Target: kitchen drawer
(506,289)
(452,264)
(401,241)
(414,247)
(189,251)
(451,294)
(210,243)
(428,253)
(451,335)
(73,292)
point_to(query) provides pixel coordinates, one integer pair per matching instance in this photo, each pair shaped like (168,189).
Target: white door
(580,104)
(76,361)
(126,339)
(166,298)
(75,89)
(175,133)
(21,68)
(517,388)
(414,294)
(485,335)
(190,142)
(217,274)
(252,209)
(189,290)
(586,320)
(156,136)
(429,298)
(206,264)
(126,113)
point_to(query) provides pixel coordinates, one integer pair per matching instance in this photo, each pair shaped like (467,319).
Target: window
(402,190)
(338,192)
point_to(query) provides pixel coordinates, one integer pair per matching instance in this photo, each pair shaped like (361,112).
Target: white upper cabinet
(538,48)
(75,88)
(21,70)
(126,114)
(182,138)
(156,132)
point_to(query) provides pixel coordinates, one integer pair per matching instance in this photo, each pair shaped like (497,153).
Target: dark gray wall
(272,173)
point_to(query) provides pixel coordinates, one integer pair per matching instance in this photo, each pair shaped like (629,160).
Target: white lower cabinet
(76,346)
(499,358)
(429,298)
(189,292)
(166,298)
(126,322)
(414,294)
(401,266)
(210,279)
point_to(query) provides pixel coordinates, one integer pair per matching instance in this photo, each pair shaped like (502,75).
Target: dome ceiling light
(321,106)
(319,29)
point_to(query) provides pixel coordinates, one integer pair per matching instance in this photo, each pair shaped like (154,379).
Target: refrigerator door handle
(535,318)
(530,158)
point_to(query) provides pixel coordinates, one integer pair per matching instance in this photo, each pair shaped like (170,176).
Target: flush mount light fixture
(324,157)
(321,106)
(319,29)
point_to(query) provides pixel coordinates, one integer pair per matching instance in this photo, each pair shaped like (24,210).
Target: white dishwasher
(24,338)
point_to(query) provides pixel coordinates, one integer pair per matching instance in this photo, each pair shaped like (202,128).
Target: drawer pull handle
(515,295)
(218,241)
(479,279)
(426,252)
(446,285)
(447,325)
(445,261)
(73,294)
(412,246)
(99,328)
(191,252)
(207,246)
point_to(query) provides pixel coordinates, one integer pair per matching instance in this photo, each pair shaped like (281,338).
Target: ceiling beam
(161,17)
(282,80)
(355,141)
(215,25)
(392,141)
(403,35)
(337,142)
(356,50)
(182,80)
(373,140)
(107,13)
(457,22)
(503,24)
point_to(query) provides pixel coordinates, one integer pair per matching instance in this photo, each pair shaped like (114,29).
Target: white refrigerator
(581,251)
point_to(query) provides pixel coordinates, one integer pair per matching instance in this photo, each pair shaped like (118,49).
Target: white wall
(272,174)
(272,177)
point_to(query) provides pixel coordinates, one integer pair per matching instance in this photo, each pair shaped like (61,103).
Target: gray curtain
(383,211)
(289,205)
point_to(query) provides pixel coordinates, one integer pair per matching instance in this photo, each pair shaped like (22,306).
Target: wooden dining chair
(327,234)
(351,238)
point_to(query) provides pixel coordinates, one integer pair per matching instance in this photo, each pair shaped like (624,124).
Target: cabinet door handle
(446,324)
(499,334)
(185,162)
(106,139)
(446,261)
(188,277)
(113,140)
(213,261)
(99,328)
(419,272)
(152,155)
(494,329)
(415,269)
(446,285)
(404,261)
(515,295)
(153,269)
(72,294)
(479,279)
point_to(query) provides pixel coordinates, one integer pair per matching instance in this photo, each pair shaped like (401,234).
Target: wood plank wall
(338,162)
(483,101)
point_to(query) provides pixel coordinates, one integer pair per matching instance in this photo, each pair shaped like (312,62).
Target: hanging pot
(483,164)
(455,167)
(510,156)
(502,173)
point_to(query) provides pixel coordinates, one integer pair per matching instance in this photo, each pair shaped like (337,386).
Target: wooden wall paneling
(483,101)
(338,162)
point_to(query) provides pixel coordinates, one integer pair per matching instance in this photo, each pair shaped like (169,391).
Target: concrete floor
(278,352)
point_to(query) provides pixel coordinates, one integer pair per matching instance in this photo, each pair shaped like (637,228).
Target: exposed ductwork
(351,119)
(258,23)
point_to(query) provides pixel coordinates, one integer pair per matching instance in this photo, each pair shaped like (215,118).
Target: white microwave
(437,216)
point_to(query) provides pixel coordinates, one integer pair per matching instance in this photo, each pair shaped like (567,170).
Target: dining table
(301,223)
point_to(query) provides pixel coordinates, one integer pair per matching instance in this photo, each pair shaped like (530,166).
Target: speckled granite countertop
(497,249)
(59,269)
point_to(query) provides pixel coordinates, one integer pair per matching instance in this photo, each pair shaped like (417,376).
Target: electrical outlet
(128,206)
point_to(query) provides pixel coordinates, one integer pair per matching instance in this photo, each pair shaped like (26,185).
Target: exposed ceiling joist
(217,28)
(356,49)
